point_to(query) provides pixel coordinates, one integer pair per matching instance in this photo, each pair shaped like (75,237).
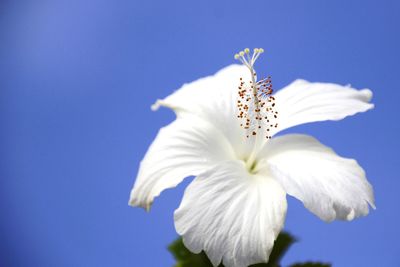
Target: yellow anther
(246,50)
(241,53)
(237,56)
(260,50)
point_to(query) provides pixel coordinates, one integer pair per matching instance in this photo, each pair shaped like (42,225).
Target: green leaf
(185,258)
(311,264)
(282,244)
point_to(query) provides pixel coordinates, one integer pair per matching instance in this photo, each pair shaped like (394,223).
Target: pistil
(256,105)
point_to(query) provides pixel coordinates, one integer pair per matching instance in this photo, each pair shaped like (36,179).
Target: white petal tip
(372,204)
(156,105)
(367,93)
(350,216)
(135,203)
(161,103)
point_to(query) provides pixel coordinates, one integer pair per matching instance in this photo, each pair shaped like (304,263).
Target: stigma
(255,103)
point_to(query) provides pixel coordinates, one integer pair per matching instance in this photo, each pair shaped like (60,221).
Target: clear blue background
(77,79)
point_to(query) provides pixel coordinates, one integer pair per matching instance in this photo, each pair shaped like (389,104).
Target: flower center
(252,168)
(255,102)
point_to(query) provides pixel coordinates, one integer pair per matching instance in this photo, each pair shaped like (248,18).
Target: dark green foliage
(185,258)
(282,244)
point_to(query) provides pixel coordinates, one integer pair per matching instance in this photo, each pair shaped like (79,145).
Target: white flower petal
(231,215)
(330,186)
(302,102)
(186,147)
(214,93)
(214,98)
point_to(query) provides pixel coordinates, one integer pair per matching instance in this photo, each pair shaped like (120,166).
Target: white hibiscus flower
(236,206)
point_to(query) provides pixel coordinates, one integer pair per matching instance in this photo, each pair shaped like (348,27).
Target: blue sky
(77,81)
